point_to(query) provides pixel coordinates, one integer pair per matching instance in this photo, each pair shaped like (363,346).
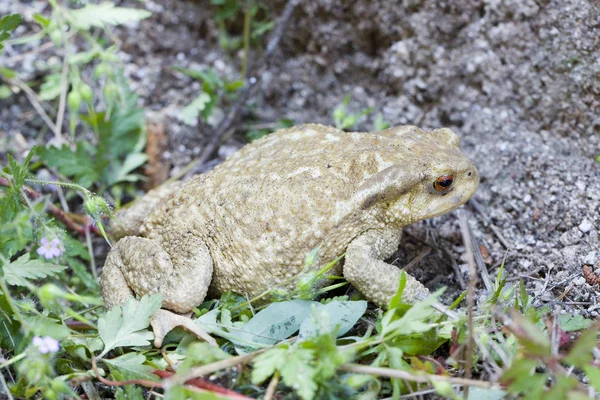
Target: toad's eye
(443,183)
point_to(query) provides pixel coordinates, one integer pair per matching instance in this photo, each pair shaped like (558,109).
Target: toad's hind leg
(129,220)
(376,279)
(140,266)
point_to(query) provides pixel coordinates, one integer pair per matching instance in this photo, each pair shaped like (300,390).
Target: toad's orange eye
(443,183)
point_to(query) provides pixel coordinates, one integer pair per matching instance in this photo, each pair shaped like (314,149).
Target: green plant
(345,120)
(214,90)
(8,24)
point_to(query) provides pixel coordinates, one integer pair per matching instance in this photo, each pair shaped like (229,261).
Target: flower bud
(73,100)
(111,92)
(86,92)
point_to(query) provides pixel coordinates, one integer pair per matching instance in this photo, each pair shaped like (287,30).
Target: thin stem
(422,377)
(88,241)
(58,183)
(247,22)
(5,388)
(35,102)
(272,386)
(464,227)
(62,101)
(210,368)
(13,360)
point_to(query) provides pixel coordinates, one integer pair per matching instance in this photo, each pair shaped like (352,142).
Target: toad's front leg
(374,278)
(140,266)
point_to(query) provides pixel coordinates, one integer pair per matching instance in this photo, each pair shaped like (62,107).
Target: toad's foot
(164,321)
(376,279)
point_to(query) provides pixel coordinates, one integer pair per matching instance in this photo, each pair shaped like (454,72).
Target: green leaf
(570,323)
(16,230)
(380,124)
(9,327)
(83,57)
(8,24)
(131,366)
(5,92)
(132,161)
(414,320)
(444,389)
(40,19)
(581,353)
(101,15)
(19,172)
(43,326)
(342,314)
(127,326)
(8,73)
(396,299)
(297,373)
(593,375)
(267,363)
(51,87)
(23,268)
(191,112)
(78,165)
(276,322)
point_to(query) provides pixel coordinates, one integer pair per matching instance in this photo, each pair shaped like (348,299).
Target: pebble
(580,281)
(585,226)
(590,258)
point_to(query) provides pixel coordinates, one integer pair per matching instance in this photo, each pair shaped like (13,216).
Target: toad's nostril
(469,173)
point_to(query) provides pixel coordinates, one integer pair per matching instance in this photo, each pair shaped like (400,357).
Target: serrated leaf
(50,89)
(267,363)
(127,326)
(342,314)
(276,322)
(191,112)
(297,373)
(78,165)
(570,323)
(23,268)
(131,366)
(101,15)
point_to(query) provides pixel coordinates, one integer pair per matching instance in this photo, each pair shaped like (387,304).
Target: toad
(247,225)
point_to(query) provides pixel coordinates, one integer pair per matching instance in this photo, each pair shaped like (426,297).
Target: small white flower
(50,248)
(46,344)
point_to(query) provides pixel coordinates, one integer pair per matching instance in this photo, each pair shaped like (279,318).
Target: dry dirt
(518,80)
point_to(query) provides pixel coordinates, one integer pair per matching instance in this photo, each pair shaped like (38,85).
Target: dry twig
(33,99)
(423,378)
(464,227)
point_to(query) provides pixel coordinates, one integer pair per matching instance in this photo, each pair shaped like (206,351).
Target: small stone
(547,297)
(590,258)
(580,281)
(585,226)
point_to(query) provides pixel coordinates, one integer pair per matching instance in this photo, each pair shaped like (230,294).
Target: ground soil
(518,80)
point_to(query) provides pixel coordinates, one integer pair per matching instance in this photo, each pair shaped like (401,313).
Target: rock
(585,226)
